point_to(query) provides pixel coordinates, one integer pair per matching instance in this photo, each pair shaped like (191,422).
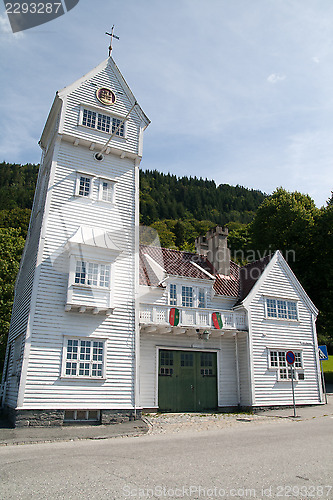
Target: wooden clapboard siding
(284,335)
(56,216)
(225,346)
(243,363)
(84,94)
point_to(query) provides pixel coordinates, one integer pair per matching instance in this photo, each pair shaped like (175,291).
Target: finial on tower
(111,35)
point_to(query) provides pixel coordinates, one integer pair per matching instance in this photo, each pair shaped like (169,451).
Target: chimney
(214,247)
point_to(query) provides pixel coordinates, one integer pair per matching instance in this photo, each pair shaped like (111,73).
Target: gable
(81,97)
(278,280)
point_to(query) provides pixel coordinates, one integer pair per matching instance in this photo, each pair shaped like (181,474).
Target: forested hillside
(166,196)
(180,209)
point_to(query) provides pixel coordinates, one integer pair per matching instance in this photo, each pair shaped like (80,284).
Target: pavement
(156,423)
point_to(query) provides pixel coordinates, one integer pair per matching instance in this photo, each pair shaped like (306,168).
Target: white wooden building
(91,336)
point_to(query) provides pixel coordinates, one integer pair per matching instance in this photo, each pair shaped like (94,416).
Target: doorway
(187,380)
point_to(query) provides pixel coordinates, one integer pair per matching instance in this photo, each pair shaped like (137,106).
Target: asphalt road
(278,459)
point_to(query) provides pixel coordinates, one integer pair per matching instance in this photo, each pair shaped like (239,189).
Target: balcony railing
(191,317)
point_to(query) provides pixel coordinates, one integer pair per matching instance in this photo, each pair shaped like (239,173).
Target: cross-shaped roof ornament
(111,35)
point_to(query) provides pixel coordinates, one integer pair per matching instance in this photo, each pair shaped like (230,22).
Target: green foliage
(291,223)
(165,196)
(17,185)
(18,218)
(11,247)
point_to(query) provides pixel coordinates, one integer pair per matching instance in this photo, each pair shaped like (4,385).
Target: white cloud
(5,29)
(316,60)
(275,78)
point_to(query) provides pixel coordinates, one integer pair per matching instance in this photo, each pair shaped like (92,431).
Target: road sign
(323,354)
(290,357)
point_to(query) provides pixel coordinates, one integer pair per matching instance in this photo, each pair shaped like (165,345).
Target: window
(106,190)
(281,309)
(277,360)
(84,185)
(187,296)
(173,294)
(83,358)
(104,123)
(92,274)
(201,297)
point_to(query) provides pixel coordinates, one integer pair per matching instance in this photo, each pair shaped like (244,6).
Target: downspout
(136,346)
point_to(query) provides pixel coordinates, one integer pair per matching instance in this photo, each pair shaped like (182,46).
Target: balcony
(190,318)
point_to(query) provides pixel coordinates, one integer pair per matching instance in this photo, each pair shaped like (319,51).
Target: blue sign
(290,357)
(323,354)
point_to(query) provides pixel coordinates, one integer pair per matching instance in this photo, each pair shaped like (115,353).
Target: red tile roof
(177,263)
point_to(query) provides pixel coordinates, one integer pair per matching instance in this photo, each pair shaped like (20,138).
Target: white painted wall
(225,346)
(285,335)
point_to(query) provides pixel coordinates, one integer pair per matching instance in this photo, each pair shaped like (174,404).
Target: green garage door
(187,381)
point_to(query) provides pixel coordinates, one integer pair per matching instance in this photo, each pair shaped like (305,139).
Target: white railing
(191,317)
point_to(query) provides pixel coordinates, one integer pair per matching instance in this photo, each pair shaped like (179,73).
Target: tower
(73,341)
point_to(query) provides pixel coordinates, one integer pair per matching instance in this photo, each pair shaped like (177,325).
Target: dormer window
(187,296)
(102,122)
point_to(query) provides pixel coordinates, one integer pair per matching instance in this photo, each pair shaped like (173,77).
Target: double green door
(187,381)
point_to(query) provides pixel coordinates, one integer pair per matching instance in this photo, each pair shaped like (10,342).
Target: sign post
(323,356)
(290,358)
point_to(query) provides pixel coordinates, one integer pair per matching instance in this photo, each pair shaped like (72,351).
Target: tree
(285,221)
(11,248)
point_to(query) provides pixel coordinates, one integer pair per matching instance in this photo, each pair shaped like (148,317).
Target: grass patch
(328,370)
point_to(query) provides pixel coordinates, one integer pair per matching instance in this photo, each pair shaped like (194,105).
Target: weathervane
(111,35)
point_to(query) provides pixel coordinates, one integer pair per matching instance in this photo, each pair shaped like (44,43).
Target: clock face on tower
(105,96)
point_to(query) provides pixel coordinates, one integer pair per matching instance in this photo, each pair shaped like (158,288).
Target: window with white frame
(201,297)
(102,122)
(92,274)
(84,185)
(83,358)
(187,296)
(173,294)
(106,190)
(281,309)
(277,361)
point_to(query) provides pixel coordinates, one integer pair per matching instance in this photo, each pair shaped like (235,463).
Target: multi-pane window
(104,123)
(186,359)
(84,358)
(206,364)
(92,274)
(173,294)
(201,297)
(106,190)
(89,118)
(84,186)
(277,359)
(187,296)
(281,309)
(166,363)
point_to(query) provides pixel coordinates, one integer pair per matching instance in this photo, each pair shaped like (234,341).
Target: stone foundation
(119,416)
(47,418)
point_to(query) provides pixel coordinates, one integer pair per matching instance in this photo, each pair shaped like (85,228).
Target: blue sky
(239,91)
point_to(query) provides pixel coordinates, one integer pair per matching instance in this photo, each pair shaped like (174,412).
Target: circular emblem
(105,96)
